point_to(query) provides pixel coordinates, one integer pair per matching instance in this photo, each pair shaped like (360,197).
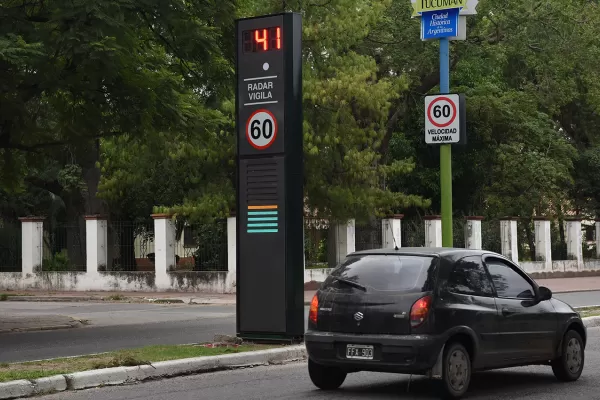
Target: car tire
(569,366)
(456,371)
(325,378)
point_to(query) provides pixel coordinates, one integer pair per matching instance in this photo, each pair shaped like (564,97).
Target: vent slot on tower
(261,183)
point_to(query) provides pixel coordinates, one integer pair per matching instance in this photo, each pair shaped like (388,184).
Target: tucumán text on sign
(437,5)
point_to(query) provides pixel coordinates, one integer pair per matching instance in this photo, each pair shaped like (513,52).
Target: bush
(58,262)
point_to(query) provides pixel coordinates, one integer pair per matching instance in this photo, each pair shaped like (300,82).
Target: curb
(583,308)
(52,299)
(163,369)
(41,328)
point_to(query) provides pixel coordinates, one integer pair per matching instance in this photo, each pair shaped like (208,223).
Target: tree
(347,102)
(345,106)
(75,72)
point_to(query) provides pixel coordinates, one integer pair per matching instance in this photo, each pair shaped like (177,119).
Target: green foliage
(316,251)
(190,172)
(527,108)
(144,91)
(59,262)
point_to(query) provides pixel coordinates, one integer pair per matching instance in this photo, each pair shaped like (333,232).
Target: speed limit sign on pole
(261,129)
(444,119)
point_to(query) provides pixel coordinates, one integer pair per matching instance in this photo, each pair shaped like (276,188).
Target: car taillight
(419,311)
(314,309)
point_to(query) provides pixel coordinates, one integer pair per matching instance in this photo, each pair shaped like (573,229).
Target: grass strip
(589,312)
(123,358)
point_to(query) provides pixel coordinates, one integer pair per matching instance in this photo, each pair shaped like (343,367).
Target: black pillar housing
(270,199)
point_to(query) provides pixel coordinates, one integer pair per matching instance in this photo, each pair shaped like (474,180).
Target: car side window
(469,277)
(508,282)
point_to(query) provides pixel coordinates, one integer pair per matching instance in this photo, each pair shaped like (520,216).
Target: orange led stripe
(262,207)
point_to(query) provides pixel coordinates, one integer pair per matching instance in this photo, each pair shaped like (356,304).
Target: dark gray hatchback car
(443,313)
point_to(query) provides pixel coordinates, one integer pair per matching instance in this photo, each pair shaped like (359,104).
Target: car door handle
(506,311)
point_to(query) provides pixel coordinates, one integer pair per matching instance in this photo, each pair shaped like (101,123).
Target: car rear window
(401,273)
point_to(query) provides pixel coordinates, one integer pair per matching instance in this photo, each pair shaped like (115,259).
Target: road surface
(117,326)
(290,382)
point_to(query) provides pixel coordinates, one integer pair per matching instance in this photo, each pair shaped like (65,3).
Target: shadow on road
(483,385)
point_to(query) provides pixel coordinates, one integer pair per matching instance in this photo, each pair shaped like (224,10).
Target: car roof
(425,251)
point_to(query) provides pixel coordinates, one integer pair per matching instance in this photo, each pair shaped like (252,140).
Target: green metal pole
(446,187)
(446,152)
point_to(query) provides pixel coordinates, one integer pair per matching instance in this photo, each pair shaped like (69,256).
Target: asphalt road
(291,382)
(116,326)
(579,299)
(113,326)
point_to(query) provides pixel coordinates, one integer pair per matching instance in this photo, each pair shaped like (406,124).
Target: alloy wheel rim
(573,353)
(457,370)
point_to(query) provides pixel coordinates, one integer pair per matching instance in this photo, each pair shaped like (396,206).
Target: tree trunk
(91,175)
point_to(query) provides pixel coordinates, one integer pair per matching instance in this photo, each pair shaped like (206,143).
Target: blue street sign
(440,24)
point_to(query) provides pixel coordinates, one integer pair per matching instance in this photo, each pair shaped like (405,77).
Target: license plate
(360,352)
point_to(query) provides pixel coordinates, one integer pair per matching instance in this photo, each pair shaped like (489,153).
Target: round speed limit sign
(442,111)
(261,129)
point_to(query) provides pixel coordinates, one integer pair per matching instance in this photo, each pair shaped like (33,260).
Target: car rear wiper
(351,283)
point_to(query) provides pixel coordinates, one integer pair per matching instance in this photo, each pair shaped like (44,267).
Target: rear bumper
(415,354)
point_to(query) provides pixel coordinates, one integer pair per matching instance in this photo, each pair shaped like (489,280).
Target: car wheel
(456,371)
(325,378)
(569,366)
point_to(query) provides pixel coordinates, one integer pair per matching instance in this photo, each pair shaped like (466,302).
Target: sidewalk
(566,285)
(562,285)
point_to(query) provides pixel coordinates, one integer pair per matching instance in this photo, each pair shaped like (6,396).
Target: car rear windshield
(400,273)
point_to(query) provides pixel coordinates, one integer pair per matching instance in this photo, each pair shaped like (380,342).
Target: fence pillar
(32,244)
(473,233)
(391,231)
(574,241)
(598,239)
(509,238)
(231,255)
(96,239)
(345,240)
(164,248)
(543,241)
(433,231)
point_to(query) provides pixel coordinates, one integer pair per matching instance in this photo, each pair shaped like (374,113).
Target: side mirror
(544,293)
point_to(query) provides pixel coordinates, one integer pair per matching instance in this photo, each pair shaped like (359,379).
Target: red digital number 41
(261,39)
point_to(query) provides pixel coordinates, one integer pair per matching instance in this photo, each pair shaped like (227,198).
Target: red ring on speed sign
(271,140)
(429,116)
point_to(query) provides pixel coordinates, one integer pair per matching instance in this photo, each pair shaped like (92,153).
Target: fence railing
(130,246)
(458,232)
(203,247)
(64,248)
(368,235)
(10,247)
(413,232)
(490,235)
(316,243)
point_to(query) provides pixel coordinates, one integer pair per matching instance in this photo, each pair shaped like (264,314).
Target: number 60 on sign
(261,129)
